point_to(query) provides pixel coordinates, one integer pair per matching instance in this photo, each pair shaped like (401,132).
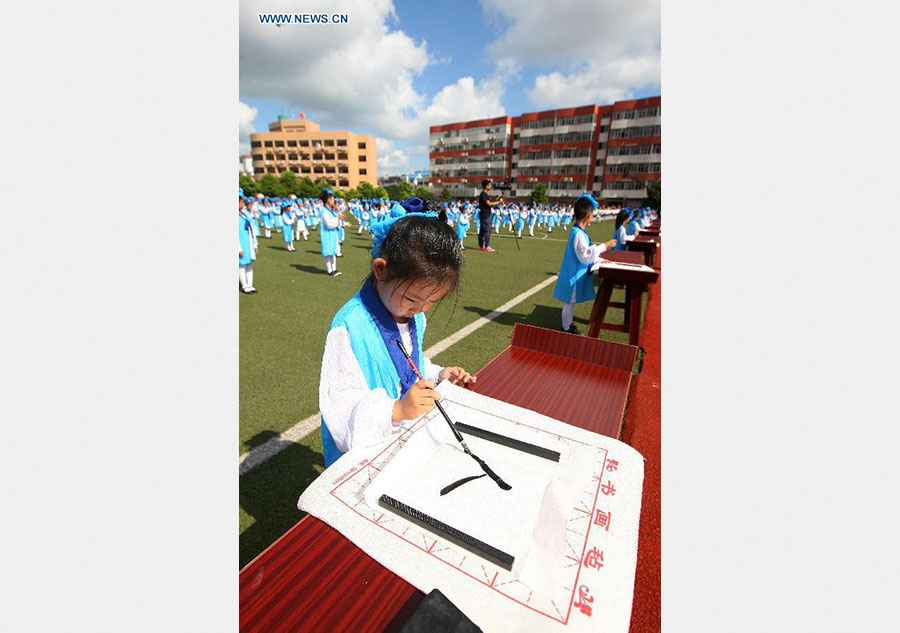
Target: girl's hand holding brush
(419,399)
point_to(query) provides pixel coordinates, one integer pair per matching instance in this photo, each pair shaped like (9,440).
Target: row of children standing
(293,217)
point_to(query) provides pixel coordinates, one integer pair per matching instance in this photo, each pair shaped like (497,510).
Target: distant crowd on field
(292,218)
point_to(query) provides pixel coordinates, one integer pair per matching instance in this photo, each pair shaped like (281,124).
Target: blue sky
(400,66)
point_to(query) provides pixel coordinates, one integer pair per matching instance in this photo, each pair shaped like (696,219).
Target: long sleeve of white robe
(587,254)
(356,416)
(330,220)
(624,234)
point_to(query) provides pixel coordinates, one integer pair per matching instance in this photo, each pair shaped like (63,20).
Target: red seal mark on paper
(584,600)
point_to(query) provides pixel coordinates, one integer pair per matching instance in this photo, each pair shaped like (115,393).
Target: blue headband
(380,229)
(591,199)
(413,204)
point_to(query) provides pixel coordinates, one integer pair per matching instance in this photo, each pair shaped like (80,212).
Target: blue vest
(246,239)
(574,274)
(328,236)
(620,241)
(372,329)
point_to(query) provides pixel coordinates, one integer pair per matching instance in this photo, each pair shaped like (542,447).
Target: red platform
(314,579)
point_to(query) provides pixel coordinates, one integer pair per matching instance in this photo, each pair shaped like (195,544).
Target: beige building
(343,158)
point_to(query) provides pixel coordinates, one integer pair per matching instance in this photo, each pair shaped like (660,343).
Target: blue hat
(380,229)
(590,198)
(413,204)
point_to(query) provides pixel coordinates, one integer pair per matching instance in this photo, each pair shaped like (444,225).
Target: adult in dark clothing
(484,216)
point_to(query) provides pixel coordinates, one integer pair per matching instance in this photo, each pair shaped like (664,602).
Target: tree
(366,190)
(290,182)
(423,192)
(306,188)
(269,185)
(247,183)
(321,184)
(446,195)
(393,192)
(352,194)
(406,190)
(380,192)
(539,194)
(654,194)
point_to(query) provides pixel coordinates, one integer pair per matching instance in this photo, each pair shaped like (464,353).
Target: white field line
(440,346)
(256,456)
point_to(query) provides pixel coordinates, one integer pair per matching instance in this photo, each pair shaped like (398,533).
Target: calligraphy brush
(456,433)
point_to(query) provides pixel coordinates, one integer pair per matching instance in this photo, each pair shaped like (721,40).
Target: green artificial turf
(283,329)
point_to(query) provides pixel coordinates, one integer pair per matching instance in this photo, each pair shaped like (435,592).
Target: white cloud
(572,31)
(463,101)
(391,160)
(604,49)
(354,76)
(597,82)
(246,116)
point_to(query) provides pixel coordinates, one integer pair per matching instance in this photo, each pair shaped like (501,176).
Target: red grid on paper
(429,543)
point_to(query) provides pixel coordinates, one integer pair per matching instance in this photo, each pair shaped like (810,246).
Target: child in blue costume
(252,209)
(520,222)
(328,231)
(575,283)
(634,226)
(287,222)
(299,221)
(263,207)
(367,390)
(341,224)
(462,225)
(621,233)
(364,220)
(247,245)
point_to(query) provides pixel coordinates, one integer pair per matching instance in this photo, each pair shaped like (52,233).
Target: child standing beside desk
(621,232)
(575,283)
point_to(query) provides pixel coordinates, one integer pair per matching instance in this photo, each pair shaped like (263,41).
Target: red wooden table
(626,257)
(647,246)
(635,283)
(313,579)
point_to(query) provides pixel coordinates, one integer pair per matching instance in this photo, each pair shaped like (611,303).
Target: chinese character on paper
(584,600)
(612,465)
(608,488)
(602,519)
(594,558)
